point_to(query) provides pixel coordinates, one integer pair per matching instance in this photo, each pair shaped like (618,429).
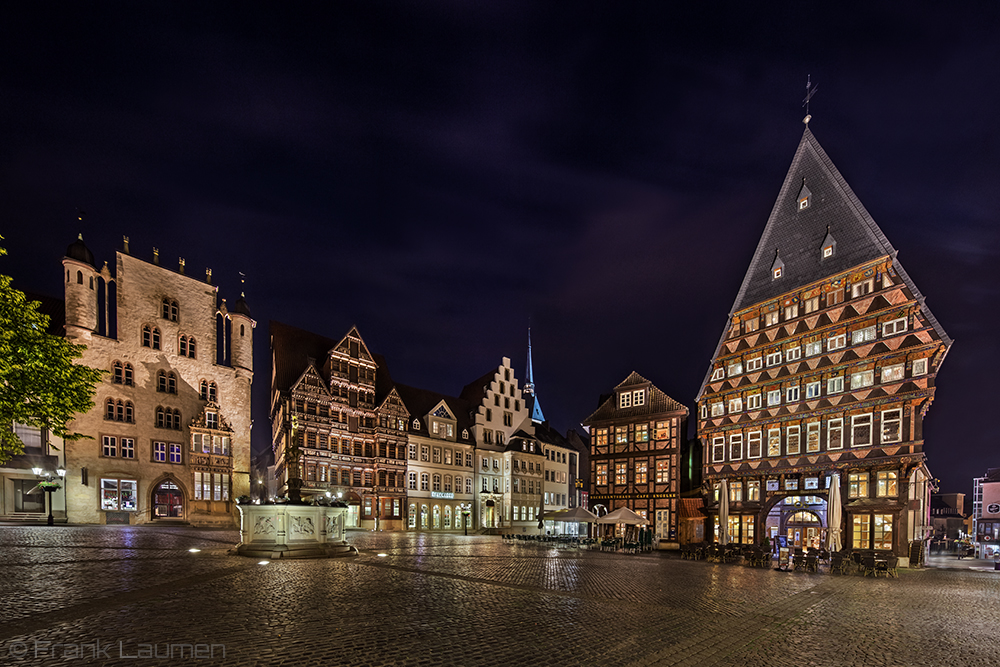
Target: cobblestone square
(123,595)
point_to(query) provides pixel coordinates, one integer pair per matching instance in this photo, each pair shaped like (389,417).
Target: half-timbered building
(635,444)
(822,377)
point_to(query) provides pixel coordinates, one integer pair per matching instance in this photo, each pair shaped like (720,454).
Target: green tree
(40,385)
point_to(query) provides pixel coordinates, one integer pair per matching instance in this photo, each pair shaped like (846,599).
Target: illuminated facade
(333,405)
(170,427)
(826,367)
(440,462)
(635,446)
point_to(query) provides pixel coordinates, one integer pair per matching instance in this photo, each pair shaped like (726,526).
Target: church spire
(529,388)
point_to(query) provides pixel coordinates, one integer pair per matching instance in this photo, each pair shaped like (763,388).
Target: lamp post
(49,485)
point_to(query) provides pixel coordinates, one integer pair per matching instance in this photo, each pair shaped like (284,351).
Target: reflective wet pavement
(112,595)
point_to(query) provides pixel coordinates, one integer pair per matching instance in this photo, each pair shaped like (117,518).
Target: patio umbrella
(723,512)
(576,514)
(833,514)
(623,515)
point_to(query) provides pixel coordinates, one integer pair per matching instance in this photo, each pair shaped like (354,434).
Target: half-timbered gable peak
(635,396)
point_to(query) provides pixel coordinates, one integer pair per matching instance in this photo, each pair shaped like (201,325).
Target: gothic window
(169,310)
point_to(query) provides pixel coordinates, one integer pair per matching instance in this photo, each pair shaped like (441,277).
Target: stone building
(986,514)
(635,446)
(440,461)
(170,427)
(333,404)
(823,375)
(499,411)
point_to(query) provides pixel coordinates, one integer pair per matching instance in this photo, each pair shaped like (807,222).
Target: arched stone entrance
(167,501)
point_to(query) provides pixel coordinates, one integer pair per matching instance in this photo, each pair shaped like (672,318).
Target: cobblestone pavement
(107,593)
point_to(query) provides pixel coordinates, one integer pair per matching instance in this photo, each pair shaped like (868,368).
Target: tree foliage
(40,385)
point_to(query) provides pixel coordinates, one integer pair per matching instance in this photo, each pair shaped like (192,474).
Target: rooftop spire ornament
(810,91)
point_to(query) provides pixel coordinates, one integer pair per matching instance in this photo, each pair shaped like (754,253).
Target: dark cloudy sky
(437,173)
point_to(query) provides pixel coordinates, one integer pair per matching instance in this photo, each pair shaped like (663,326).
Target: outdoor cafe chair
(868,564)
(811,564)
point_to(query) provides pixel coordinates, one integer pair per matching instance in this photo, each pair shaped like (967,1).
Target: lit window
(625,399)
(774,442)
(863,335)
(639,397)
(812,437)
(827,251)
(861,430)
(862,379)
(892,430)
(792,445)
(835,434)
(718,449)
(857,485)
(894,327)
(774,397)
(118,494)
(602,474)
(777,272)
(735,368)
(642,432)
(812,390)
(885,485)
(735,446)
(662,471)
(641,472)
(814,348)
(771,318)
(791,311)
(893,373)
(863,288)
(753,492)
(718,409)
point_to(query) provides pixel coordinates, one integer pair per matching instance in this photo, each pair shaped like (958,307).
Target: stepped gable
(657,402)
(291,350)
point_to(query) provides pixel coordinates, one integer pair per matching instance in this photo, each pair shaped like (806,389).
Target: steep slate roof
(475,391)
(797,236)
(419,402)
(291,349)
(656,403)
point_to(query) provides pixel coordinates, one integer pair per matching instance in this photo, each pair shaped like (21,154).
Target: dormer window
(829,246)
(465,434)
(777,266)
(416,424)
(804,196)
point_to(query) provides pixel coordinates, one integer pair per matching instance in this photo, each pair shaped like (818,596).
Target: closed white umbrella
(723,512)
(833,514)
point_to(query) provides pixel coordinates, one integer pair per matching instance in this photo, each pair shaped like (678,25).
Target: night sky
(441,173)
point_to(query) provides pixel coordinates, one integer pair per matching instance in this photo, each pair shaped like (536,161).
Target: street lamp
(49,486)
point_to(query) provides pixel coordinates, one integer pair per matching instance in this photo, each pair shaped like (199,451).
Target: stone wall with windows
(142,462)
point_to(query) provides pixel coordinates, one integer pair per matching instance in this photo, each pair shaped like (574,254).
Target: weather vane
(243,280)
(810,91)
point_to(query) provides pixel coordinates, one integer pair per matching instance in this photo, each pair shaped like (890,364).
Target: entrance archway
(168,501)
(798,520)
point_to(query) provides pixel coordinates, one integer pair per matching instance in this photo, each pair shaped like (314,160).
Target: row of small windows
(439,482)
(640,472)
(119,411)
(122,447)
(772,313)
(430,454)
(186,345)
(814,389)
(122,373)
(168,418)
(506,403)
(860,434)
(346,446)
(209,391)
(639,432)
(320,472)
(812,348)
(628,399)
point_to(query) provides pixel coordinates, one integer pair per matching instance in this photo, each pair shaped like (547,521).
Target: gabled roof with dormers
(422,402)
(656,402)
(815,207)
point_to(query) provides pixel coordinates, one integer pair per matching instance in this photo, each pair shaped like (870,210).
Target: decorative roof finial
(243,280)
(810,91)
